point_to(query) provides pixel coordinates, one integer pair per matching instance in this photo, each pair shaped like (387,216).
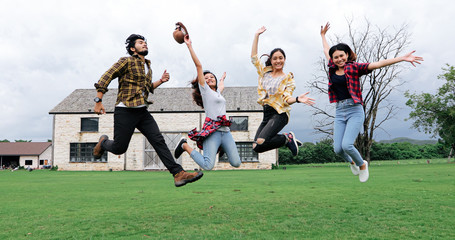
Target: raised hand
(412,59)
(254,49)
(325,28)
(221,82)
(187,39)
(165,77)
(261,30)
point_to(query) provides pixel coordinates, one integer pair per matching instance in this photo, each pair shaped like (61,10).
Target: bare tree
(371,44)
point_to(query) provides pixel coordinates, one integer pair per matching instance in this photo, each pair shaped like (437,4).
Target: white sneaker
(354,169)
(364,174)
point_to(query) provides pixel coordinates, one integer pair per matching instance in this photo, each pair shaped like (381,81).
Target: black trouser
(125,121)
(271,124)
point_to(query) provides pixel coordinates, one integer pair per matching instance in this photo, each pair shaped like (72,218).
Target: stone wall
(67,129)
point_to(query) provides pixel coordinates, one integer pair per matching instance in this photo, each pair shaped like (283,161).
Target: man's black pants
(125,121)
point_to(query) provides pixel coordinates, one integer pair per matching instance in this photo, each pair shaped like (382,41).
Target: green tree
(435,114)
(4,140)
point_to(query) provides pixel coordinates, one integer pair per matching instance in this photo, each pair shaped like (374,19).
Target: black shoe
(179,149)
(98,151)
(292,144)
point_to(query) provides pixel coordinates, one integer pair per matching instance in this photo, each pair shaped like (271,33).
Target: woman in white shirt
(215,133)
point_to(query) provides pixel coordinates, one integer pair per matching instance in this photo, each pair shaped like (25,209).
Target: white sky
(50,48)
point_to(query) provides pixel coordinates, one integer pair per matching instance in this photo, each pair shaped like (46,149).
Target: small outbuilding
(34,155)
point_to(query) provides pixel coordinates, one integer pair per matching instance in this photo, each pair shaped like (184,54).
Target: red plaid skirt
(209,127)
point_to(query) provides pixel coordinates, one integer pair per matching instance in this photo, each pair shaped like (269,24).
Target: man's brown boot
(98,150)
(183,178)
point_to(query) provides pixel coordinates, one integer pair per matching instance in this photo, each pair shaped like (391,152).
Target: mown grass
(409,200)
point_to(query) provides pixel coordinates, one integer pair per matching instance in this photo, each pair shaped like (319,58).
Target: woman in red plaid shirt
(345,91)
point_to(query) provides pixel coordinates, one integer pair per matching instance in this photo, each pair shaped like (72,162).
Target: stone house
(76,130)
(35,155)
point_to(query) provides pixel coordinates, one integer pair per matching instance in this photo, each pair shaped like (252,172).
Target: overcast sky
(50,48)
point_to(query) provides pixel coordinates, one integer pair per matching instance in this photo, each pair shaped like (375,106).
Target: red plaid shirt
(353,71)
(209,127)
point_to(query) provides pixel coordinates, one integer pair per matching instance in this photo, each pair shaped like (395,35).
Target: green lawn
(409,200)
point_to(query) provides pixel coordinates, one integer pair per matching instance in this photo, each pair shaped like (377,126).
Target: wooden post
(450,155)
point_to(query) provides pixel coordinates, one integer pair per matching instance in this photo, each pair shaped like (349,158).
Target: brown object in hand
(180,32)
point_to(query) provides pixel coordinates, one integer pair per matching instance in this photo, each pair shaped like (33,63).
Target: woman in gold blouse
(275,89)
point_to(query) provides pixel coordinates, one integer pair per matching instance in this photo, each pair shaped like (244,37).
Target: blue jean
(349,119)
(211,145)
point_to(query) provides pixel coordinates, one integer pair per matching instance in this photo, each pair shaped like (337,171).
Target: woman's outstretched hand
(412,59)
(303,98)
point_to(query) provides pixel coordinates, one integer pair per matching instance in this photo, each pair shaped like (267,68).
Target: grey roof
(164,100)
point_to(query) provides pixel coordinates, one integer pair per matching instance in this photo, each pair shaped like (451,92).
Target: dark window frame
(28,161)
(233,124)
(246,153)
(88,125)
(81,152)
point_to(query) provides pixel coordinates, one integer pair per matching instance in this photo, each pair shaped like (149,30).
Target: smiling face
(210,80)
(340,54)
(277,60)
(339,58)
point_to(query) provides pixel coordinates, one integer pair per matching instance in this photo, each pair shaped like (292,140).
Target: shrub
(322,152)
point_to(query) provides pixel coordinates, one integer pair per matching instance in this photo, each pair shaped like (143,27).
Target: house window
(28,162)
(239,123)
(89,124)
(246,153)
(41,162)
(83,152)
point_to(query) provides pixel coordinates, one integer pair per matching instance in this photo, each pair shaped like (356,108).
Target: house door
(151,159)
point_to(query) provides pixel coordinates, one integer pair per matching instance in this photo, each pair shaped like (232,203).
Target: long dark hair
(268,62)
(197,97)
(345,48)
